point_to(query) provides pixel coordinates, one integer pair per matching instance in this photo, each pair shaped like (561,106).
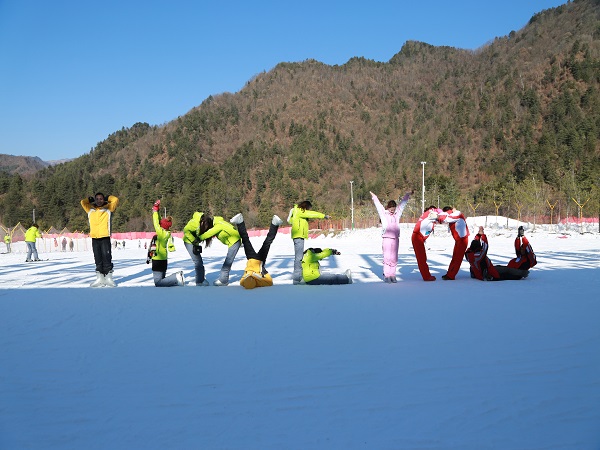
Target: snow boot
(276,220)
(349,275)
(237,219)
(108,280)
(180,278)
(99,281)
(204,283)
(220,283)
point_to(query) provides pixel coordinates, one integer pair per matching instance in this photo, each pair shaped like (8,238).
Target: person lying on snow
(481,266)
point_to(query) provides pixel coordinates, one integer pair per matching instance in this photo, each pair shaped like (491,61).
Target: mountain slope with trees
(512,128)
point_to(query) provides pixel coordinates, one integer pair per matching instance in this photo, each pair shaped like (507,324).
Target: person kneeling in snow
(481,266)
(311,268)
(164,245)
(526,258)
(256,274)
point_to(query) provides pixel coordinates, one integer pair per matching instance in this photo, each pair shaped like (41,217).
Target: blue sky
(73,72)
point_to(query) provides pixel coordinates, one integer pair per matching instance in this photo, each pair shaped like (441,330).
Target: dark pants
(102,255)
(264,249)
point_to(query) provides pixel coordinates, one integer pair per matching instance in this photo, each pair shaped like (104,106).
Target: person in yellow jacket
(298,219)
(255,274)
(7,241)
(311,268)
(99,210)
(198,224)
(31,235)
(228,235)
(164,245)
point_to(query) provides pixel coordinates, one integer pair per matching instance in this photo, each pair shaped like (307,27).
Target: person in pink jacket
(457,223)
(390,224)
(421,232)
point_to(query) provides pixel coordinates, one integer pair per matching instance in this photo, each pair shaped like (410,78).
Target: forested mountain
(514,125)
(22,165)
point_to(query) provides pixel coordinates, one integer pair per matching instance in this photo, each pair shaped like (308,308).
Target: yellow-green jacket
(164,243)
(191,232)
(297,219)
(7,239)
(32,234)
(310,264)
(225,232)
(100,217)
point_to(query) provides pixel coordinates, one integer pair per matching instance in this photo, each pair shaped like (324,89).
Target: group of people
(202,228)
(476,254)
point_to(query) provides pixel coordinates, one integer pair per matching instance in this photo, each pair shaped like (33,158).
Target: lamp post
(33,215)
(352,203)
(423,197)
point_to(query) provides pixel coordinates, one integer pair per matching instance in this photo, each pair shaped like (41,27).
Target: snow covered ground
(458,364)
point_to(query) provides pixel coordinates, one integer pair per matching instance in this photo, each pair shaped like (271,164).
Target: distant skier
(31,235)
(99,210)
(7,241)
(64,244)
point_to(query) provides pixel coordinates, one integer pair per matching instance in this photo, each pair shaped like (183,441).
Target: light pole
(423,198)
(352,203)
(33,215)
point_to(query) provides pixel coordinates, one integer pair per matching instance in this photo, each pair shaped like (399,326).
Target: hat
(166,223)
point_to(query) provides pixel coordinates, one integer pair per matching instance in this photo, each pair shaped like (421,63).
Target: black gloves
(91,199)
(335,252)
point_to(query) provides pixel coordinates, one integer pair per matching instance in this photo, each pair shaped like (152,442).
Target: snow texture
(461,364)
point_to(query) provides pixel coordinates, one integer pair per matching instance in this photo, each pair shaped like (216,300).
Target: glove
(91,199)
(335,252)
(156,206)
(521,231)
(327,217)
(406,197)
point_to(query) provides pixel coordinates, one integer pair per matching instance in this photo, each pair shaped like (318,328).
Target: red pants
(418,242)
(460,246)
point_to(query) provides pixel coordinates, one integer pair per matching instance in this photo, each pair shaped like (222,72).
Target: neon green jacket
(224,231)
(310,264)
(32,234)
(191,231)
(164,243)
(7,239)
(297,219)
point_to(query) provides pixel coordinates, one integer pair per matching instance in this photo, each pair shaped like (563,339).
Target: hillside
(513,125)
(22,165)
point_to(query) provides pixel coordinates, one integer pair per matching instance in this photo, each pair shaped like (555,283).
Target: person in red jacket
(481,266)
(421,232)
(457,223)
(526,258)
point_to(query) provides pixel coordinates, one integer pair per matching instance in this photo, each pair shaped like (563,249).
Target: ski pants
(390,256)
(198,263)
(264,249)
(102,255)
(460,246)
(298,253)
(418,242)
(330,278)
(32,250)
(226,268)
(159,272)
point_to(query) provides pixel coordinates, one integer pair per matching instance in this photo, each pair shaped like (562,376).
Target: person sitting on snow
(311,269)
(481,266)
(526,258)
